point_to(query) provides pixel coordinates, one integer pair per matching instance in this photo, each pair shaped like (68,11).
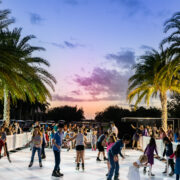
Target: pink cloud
(103,81)
(57,97)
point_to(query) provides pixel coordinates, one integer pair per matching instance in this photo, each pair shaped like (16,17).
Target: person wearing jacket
(113,157)
(168,151)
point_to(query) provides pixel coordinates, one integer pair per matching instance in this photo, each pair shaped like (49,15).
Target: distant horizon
(92,45)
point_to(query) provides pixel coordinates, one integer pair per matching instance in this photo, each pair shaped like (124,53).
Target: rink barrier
(159,143)
(18,140)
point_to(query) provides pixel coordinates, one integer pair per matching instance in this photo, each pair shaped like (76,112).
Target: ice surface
(18,169)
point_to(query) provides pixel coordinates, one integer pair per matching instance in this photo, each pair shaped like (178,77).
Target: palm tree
(28,78)
(4,20)
(156,74)
(174,38)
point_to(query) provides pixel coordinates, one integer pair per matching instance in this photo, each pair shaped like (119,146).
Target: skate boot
(83,166)
(40,164)
(30,165)
(98,159)
(171,174)
(60,174)
(9,159)
(116,177)
(105,159)
(165,171)
(77,167)
(55,174)
(144,171)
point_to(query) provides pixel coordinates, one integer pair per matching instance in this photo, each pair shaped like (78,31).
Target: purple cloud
(103,82)
(57,97)
(76,92)
(124,58)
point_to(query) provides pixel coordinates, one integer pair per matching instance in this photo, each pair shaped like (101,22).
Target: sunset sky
(92,44)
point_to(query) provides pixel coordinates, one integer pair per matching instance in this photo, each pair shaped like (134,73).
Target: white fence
(18,140)
(159,143)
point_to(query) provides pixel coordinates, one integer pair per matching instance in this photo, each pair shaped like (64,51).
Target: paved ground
(18,169)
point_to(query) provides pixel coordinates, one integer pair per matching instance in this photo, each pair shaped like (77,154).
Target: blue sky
(91,44)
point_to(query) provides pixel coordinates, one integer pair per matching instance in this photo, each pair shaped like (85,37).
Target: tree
(115,113)
(66,113)
(174,105)
(26,78)
(174,38)
(155,74)
(5,21)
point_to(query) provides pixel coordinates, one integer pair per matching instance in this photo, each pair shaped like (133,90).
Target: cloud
(76,92)
(103,82)
(145,47)
(124,58)
(57,97)
(133,7)
(35,19)
(70,45)
(64,45)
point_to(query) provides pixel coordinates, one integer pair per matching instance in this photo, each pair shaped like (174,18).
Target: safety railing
(18,140)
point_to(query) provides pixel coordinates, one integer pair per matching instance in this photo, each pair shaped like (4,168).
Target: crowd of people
(108,145)
(5,130)
(153,131)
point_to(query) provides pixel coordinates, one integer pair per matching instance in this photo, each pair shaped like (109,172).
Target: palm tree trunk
(164,116)
(6,114)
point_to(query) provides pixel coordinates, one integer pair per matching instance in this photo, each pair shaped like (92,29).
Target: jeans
(177,176)
(57,160)
(33,153)
(114,166)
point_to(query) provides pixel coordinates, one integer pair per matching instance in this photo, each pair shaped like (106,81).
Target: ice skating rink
(18,169)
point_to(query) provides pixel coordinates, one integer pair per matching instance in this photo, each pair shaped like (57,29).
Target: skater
(44,142)
(100,145)
(149,151)
(113,157)
(80,146)
(52,137)
(136,137)
(57,143)
(36,144)
(168,151)
(3,137)
(93,140)
(114,130)
(133,173)
(68,144)
(109,144)
(177,165)
(2,145)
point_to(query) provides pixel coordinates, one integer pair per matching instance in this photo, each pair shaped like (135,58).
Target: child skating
(93,140)
(101,142)
(133,173)
(109,144)
(168,151)
(149,151)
